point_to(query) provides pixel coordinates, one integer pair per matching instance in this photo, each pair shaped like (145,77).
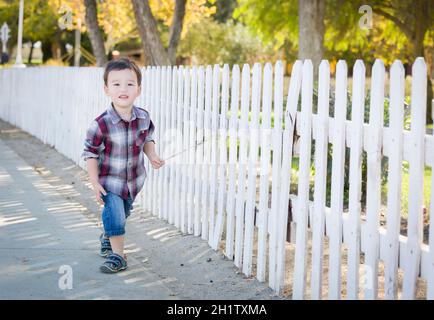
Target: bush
(210,42)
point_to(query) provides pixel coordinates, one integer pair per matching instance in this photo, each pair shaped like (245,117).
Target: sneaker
(113,264)
(106,247)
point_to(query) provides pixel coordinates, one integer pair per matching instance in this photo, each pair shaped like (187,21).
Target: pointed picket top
(418,89)
(209,69)
(377,93)
(278,92)
(293,92)
(397,82)
(278,64)
(307,67)
(341,89)
(268,66)
(307,84)
(236,68)
(246,69)
(225,67)
(359,72)
(256,95)
(235,86)
(324,87)
(245,95)
(216,68)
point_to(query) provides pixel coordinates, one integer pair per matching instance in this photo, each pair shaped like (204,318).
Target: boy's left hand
(156,161)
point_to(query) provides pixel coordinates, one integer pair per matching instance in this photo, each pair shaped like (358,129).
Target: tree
(94,31)
(224,9)
(155,54)
(35,28)
(311,30)
(175,29)
(414,18)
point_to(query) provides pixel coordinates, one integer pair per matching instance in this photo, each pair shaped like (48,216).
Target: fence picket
(214,147)
(207,153)
(396,122)
(321,146)
(171,148)
(222,158)
(199,154)
(303,182)
(355,192)
(184,155)
(191,151)
(416,173)
(155,115)
(242,133)
(279,216)
(230,201)
(265,143)
(161,129)
(373,190)
(178,160)
(252,172)
(337,184)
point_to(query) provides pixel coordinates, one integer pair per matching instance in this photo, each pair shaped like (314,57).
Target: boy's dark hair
(122,64)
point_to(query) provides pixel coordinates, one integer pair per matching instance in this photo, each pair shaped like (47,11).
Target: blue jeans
(115,213)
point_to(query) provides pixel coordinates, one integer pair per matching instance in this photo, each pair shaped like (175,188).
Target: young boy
(115,162)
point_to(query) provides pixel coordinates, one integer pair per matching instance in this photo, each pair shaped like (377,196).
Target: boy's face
(122,87)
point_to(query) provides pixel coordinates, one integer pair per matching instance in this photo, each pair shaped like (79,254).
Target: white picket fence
(236,199)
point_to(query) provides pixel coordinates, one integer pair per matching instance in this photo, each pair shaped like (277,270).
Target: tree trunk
(32,45)
(176,29)
(95,35)
(155,54)
(311,31)
(418,48)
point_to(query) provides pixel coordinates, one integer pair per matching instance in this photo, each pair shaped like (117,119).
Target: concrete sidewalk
(50,223)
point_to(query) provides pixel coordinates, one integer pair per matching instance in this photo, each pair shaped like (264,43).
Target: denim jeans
(116,211)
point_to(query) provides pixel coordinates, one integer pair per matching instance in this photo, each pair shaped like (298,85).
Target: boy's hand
(156,161)
(98,190)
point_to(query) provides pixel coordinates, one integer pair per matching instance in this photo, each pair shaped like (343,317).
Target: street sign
(4,33)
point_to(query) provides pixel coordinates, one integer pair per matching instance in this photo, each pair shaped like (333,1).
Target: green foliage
(275,21)
(210,42)
(40,22)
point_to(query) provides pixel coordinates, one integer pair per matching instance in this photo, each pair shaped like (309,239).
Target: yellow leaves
(195,10)
(116,17)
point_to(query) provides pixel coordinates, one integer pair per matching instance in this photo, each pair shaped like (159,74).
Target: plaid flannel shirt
(118,146)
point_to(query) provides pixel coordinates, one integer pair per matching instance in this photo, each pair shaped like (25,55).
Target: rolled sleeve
(150,135)
(93,144)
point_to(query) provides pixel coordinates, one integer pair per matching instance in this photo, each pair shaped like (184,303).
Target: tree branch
(176,29)
(407,30)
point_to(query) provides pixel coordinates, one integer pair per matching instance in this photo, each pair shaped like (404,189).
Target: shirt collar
(115,117)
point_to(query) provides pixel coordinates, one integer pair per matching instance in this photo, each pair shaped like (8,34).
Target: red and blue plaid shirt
(118,146)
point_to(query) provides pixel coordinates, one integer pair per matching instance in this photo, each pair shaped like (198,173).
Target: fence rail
(231,148)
